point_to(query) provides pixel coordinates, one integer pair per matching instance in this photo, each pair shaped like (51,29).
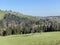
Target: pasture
(47,38)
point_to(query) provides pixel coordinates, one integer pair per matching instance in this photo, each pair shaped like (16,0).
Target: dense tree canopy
(14,24)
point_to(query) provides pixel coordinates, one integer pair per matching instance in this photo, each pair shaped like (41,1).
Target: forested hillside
(17,23)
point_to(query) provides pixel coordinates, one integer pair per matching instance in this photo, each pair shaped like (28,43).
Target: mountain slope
(2,13)
(17,23)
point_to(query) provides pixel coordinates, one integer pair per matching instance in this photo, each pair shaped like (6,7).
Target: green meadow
(47,38)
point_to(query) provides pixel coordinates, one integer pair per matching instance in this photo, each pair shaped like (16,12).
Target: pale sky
(32,7)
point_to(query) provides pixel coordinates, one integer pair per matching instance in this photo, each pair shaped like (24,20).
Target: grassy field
(48,38)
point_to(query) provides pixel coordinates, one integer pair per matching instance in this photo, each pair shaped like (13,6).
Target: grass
(1,14)
(48,38)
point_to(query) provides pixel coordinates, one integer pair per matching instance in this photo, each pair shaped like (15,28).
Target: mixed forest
(17,23)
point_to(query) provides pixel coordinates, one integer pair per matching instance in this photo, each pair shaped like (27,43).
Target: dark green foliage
(22,25)
(4,33)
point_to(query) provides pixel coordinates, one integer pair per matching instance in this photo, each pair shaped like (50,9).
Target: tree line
(12,24)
